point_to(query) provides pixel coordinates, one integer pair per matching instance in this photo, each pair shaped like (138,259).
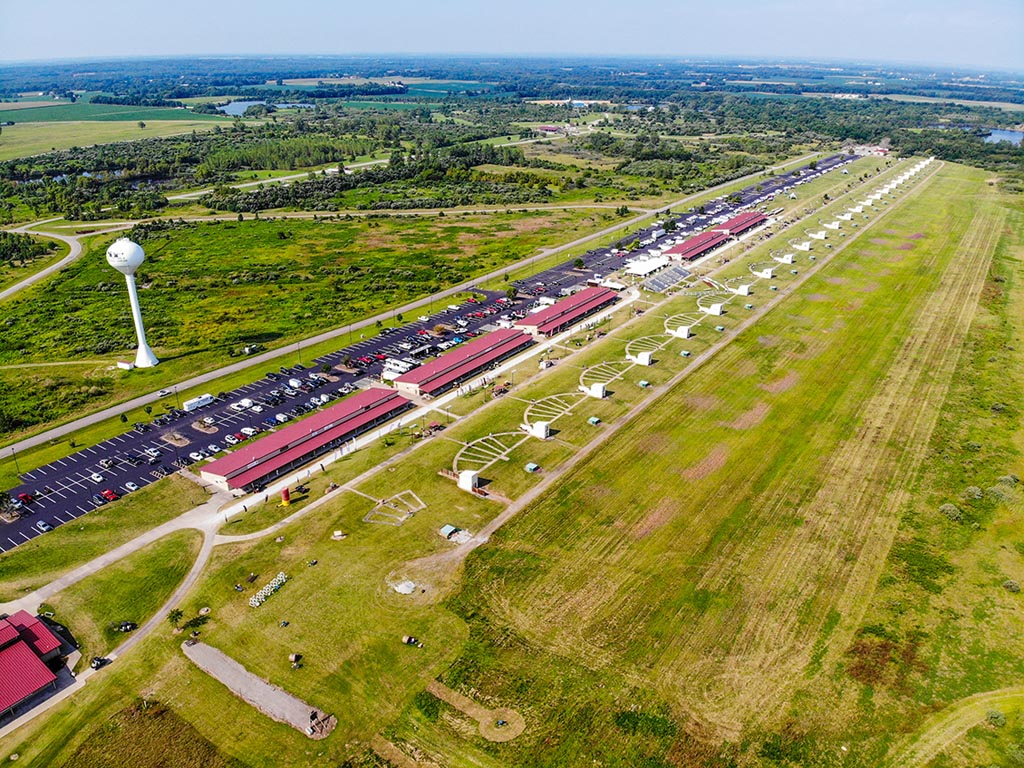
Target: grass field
(35,138)
(129,590)
(43,559)
(1009,106)
(87,111)
(742,563)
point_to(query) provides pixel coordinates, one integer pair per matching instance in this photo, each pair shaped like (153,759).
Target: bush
(952,511)
(1010,480)
(996,718)
(998,494)
(1011,585)
(973,492)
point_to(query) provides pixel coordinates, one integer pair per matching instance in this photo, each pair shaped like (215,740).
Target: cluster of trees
(21,249)
(447,171)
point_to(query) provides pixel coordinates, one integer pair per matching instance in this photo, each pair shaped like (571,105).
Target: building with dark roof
(737,225)
(567,312)
(300,443)
(463,363)
(26,643)
(697,246)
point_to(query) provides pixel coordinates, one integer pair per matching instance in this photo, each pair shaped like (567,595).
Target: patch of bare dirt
(915,236)
(781,385)
(904,246)
(768,341)
(836,280)
(751,418)
(714,461)
(867,288)
(817,297)
(654,519)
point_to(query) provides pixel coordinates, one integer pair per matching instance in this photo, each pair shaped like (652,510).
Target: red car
(380,356)
(26,497)
(109,495)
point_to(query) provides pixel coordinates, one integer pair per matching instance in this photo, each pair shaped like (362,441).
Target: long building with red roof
(737,225)
(697,246)
(567,311)
(26,643)
(463,363)
(300,443)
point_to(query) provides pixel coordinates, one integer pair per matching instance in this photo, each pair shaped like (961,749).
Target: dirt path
(944,728)
(512,723)
(274,702)
(395,756)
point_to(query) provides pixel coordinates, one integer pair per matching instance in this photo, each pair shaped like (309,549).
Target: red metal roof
(569,309)
(464,361)
(742,223)
(8,632)
(268,454)
(34,632)
(697,245)
(21,675)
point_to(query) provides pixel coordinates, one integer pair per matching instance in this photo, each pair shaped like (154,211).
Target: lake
(237,108)
(1014,137)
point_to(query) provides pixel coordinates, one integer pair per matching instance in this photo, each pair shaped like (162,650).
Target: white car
(249,431)
(154,452)
(230,439)
(257,409)
(282,417)
(213,448)
(163,393)
(424,319)
(196,456)
(237,407)
(209,421)
(130,487)
(96,477)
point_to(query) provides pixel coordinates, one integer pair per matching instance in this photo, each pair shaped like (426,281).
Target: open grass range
(208,289)
(733,592)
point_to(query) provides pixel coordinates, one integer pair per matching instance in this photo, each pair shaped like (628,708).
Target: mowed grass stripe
(642,576)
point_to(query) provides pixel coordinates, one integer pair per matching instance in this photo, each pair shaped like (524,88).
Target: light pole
(15,457)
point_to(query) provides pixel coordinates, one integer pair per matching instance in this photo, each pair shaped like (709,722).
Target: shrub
(998,493)
(1010,585)
(952,511)
(973,492)
(996,718)
(1010,480)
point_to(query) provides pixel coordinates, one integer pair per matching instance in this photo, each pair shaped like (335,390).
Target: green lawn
(87,111)
(130,590)
(43,559)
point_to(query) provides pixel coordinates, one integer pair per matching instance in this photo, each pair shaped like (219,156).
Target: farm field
(87,111)
(34,138)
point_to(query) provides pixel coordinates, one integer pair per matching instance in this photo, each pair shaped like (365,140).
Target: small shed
(448,531)
(685,353)
(748,306)
(644,383)
(719,328)
(531,467)
(593,421)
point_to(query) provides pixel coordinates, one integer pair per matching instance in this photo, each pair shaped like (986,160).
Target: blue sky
(975,34)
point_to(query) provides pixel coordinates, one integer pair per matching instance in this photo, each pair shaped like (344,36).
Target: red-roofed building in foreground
(290,447)
(25,643)
(568,311)
(463,363)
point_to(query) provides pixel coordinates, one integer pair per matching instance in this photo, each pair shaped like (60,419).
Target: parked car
(282,418)
(98,500)
(109,495)
(154,452)
(213,448)
(209,421)
(250,431)
(96,477)
(196,456)
(131,487)
(230,439)
(44,526)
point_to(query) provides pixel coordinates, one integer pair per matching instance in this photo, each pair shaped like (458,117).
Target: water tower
(126,257)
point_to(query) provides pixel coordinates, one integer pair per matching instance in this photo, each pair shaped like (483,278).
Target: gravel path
(272,701)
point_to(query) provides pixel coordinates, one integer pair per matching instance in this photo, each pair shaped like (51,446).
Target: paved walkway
(272,701)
